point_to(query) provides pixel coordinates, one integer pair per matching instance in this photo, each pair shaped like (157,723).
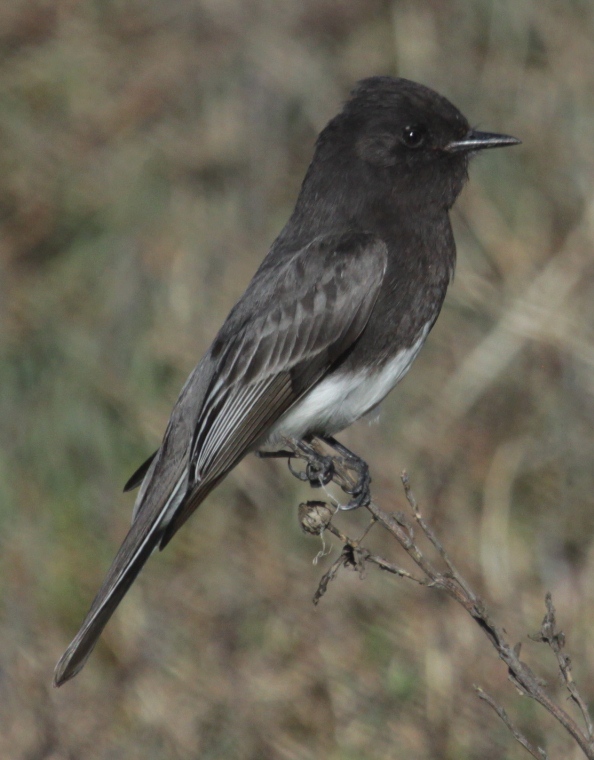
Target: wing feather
(272,360)
(299,315)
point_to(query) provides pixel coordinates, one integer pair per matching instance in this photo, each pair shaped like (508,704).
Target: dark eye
(413,136)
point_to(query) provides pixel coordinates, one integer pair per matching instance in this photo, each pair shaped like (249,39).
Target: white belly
(337,401)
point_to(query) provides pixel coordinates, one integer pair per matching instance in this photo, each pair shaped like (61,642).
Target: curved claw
(361,491)
(362,499)
(297,473)
(318,472)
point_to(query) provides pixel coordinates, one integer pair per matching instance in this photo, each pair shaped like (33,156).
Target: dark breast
(421,263)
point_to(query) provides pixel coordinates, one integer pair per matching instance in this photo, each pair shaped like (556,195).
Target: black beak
(479,141)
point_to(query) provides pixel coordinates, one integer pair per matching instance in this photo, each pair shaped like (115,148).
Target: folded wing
(300,314)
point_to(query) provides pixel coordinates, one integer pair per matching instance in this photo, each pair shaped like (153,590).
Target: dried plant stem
(556,640)
(536,752)
(452,582)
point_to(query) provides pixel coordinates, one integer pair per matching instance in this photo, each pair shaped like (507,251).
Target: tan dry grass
(150,151)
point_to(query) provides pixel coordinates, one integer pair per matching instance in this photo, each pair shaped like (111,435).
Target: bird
(331,321)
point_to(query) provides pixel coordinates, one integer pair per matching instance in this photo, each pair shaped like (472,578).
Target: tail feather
(151,522)
(138,475)
(128,563)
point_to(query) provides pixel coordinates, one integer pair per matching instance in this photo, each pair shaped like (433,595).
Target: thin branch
(536,752)
(330,575)
(455,585)
(410,497)
(556,640)
(390,567)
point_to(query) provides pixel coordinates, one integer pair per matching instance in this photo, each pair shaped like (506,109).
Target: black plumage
(332,319)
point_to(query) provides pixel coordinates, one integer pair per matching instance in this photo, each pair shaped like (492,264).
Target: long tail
(152,527)
(134,552)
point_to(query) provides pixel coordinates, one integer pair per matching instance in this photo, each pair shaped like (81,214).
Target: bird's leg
(281,454)
(361,492)
(319,469)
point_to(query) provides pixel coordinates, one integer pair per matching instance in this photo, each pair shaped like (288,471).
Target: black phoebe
(331,321)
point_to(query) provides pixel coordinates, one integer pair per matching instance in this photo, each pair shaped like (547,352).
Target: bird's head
(405,138)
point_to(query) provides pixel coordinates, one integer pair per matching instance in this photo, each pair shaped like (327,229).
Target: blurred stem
(452,582)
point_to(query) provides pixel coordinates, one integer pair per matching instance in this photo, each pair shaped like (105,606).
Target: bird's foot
(361,491)
(319,469)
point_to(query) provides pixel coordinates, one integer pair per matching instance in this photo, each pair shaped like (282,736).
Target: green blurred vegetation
(149,153)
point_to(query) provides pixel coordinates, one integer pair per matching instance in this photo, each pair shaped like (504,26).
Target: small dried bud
(314,516)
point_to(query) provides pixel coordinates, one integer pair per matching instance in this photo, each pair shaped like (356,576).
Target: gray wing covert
(309,310)
(318,303)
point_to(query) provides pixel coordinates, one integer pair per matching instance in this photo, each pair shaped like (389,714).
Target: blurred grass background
(149,153)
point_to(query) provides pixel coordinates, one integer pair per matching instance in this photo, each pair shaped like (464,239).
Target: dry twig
(536,752)
(452,582)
